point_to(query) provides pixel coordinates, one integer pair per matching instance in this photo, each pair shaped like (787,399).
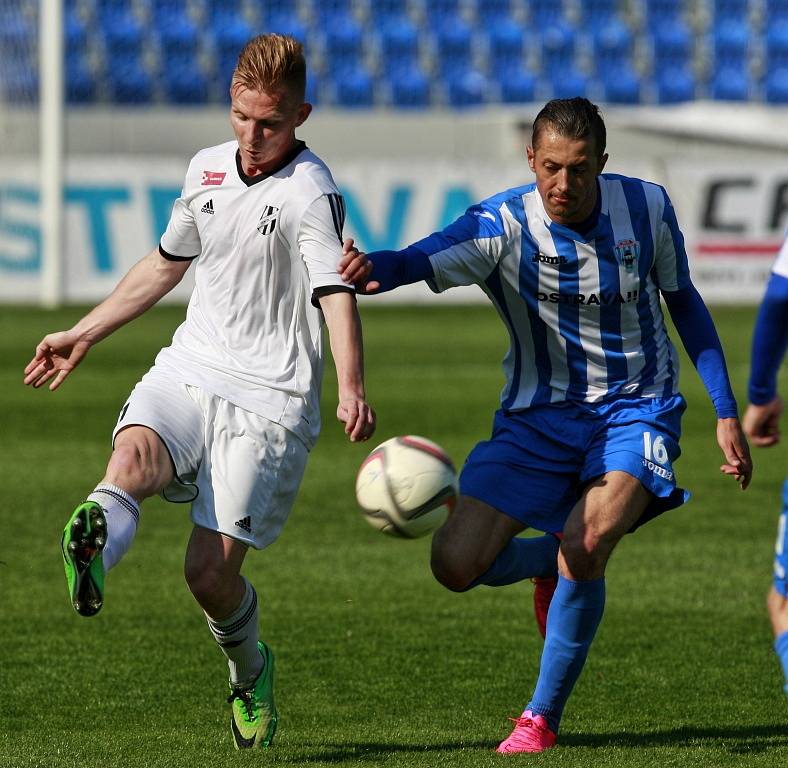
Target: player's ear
(529,152)
(302,113)
(602,162)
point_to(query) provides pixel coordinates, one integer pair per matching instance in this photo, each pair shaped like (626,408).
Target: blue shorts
(781,548)
(538,461)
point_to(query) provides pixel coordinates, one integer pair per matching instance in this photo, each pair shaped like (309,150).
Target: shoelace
(523,722)
(245,696)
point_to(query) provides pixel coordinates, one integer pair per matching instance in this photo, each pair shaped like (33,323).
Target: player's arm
(463,253)
(146,282)
(344,330)
(769,343)
(699,337)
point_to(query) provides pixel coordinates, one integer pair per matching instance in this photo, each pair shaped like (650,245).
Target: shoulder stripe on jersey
(338,212)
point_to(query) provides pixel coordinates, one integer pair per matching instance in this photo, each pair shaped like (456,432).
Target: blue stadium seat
(130,83)
(468,88)
(612,48)
(775,86)
(343,47)
(569,83)
(558,44)
(179,45)
(597,15)
(75,32)
(273,8)
(505,47)
(285,24)
(675,85)
(409,88)
(517,86)
(80,83)
(775,10)
(19,83)
(622,86)
(489,11)
(544,12)
(672,44)
(660,13)
(398,43)
(165,13)
(730,42)
(776,45)
(123,40)
(730,84)
(453,49)
(185,84)
(18,36)
(730,10)
(223,12)
(380,10)
(230,38)
(314,88)
(354,89)
(442,13)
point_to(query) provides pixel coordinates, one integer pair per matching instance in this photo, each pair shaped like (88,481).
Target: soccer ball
(407,486)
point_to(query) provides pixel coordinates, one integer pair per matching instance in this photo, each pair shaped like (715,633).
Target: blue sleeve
(458,245)
(769,341)
(700,339)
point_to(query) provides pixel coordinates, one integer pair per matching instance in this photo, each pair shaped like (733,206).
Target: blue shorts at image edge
(781,548)
(537,461)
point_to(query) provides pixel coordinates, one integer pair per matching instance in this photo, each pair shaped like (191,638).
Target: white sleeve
(320,240)
(181,238)
(781,265)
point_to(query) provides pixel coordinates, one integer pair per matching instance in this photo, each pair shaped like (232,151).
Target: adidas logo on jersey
(207,208)
(246,524)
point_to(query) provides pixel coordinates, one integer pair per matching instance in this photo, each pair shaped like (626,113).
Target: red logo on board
(212,178)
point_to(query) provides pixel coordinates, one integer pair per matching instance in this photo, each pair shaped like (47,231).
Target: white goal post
(51,97)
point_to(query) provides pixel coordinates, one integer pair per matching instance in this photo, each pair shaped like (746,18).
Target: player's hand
(358,417)
(354,267)
(762,422)
(733,444)
(56,356)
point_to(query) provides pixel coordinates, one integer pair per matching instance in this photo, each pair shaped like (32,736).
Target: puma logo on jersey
(208,207)
(267,223)
(245,523)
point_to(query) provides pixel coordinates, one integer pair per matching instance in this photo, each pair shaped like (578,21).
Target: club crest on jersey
(627,253)
(267,223)
(212,178)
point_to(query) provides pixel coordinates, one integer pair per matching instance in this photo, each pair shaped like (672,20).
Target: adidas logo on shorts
(208,207)
(246,524)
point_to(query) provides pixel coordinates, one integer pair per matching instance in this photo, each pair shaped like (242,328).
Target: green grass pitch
(377,665)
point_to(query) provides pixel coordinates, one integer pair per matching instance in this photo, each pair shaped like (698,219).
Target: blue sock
(574,615)
(522,559)
(781,648)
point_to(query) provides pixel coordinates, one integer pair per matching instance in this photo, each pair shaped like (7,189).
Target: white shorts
(240,470)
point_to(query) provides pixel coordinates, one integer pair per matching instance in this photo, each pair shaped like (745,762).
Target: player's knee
(133,468)
(206,578)
(451,570)
(584,553)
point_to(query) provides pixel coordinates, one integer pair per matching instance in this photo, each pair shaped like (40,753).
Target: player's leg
(157,438)
(248,481)
(477,545)
(101,530)
(609,507)
(777,601)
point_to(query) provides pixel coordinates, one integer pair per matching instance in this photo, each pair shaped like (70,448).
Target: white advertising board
(116,209)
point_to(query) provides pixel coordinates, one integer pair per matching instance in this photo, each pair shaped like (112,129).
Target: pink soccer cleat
(531,734)
(544,587)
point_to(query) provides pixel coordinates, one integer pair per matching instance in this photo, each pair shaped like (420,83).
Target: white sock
(237,636)
(122,513)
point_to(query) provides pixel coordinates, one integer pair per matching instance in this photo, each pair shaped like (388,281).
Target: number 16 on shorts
(655,455)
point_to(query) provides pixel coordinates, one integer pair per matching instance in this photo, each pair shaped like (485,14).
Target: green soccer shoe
(253,723)
(83,540)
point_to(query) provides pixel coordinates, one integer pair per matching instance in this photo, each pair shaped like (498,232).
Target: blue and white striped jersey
(583,311)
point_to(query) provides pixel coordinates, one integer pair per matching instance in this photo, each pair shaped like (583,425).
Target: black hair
(575,118)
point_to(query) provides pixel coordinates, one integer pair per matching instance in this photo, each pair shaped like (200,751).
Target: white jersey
(781,265)
(583,311)
(264,247)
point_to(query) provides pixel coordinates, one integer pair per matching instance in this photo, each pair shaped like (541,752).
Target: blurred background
(422,107)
